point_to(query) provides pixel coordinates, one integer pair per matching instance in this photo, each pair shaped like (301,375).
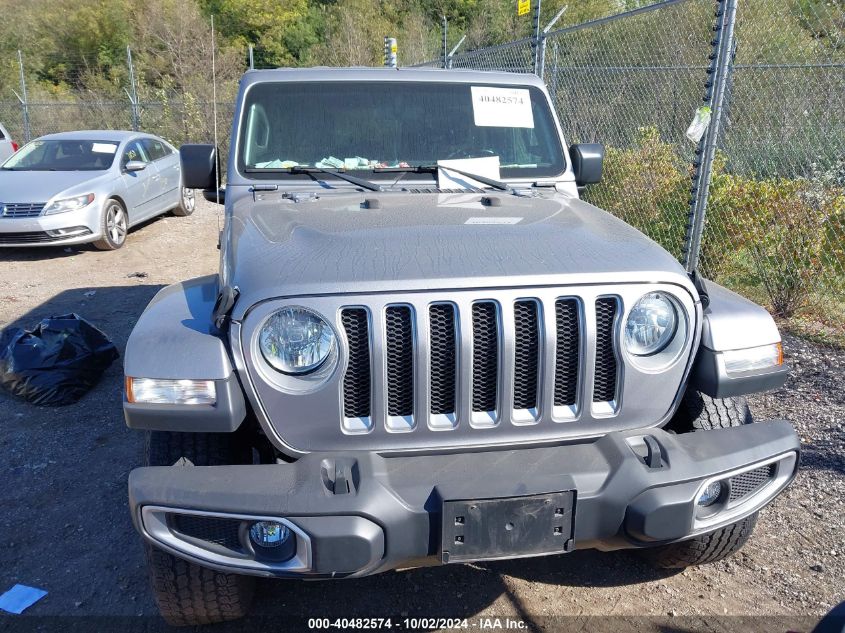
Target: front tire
(698,413)
(189,594)
(187,203)
(114,226)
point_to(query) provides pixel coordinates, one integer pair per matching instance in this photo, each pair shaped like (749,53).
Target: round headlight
(651,324)
(295,340)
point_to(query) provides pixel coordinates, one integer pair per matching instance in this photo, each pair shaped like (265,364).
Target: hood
(41,186)
(277,247)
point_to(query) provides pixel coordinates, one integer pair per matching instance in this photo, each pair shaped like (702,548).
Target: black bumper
(364,513)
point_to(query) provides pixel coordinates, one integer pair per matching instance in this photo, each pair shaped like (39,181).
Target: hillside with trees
(79,46)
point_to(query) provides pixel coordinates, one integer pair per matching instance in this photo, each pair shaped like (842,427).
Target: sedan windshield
(368,126)
(63,155)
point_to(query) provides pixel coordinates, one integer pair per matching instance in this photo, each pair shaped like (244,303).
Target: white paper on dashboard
(487,167)
(502,107)
(103,148)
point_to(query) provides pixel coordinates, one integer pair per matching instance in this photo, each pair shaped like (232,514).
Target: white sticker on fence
(483,220)
(103,148)
(502,107)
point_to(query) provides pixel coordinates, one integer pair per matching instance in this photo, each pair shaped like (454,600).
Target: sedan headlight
(295,340)
(651,324)
(69,204)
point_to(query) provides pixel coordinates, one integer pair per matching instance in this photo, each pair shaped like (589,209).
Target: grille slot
(568,336)
(604,386)
(399,354)
(526,354)
(485,356)
(751,481)
(209,529)
(443,358)
(356,380)
(21,209)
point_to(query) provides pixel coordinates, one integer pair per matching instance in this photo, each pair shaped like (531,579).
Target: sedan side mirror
(199,166)
(135,165)
(587,162)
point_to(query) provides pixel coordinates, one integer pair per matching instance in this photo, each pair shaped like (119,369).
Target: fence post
(537,43)
(445,45)
(133,96)
(27,130)
(720,70)
(454,50)
(540,64)
(251,58)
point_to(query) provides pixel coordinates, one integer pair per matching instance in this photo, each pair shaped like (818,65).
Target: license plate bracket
(508,527)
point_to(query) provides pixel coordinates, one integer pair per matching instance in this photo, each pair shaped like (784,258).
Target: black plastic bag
(57,362)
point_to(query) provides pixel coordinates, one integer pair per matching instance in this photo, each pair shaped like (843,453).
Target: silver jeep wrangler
(423,348)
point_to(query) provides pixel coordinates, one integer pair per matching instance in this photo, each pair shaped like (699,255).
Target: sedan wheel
(115,227)
(187,203)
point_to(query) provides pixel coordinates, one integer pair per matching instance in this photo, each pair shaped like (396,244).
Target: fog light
(710,494)
(272,541)
(269,534)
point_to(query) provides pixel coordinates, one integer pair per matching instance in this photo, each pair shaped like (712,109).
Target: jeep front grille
(488,361)
(442,369)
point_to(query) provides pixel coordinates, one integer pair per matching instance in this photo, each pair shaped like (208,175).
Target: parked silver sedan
(91,186)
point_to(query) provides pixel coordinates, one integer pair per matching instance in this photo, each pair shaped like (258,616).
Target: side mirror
(199,166)
(215,196)
(587,162)
(135,165)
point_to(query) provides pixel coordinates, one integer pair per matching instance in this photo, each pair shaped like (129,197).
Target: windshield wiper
(432,169)
(366,184)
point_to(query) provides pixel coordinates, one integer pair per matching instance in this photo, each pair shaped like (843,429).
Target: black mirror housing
(587,162)
(199,166)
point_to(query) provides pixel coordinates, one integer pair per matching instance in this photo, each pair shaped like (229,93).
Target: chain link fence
(775,223)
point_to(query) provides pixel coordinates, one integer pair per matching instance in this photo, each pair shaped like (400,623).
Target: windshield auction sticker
(103,148)
(502,107)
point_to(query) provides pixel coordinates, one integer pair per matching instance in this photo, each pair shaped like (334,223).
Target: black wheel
(187,203)
(115,226)
(699,412)
(189,594)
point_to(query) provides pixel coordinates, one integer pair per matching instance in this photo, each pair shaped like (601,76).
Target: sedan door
(140,185)
(167,163)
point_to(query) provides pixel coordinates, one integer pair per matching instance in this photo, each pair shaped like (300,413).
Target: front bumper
(355,514)
(40,230)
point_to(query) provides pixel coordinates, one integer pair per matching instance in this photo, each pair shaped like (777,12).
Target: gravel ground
(65,525)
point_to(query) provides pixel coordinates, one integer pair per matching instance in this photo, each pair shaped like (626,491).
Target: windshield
(65,155)
(366,126)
